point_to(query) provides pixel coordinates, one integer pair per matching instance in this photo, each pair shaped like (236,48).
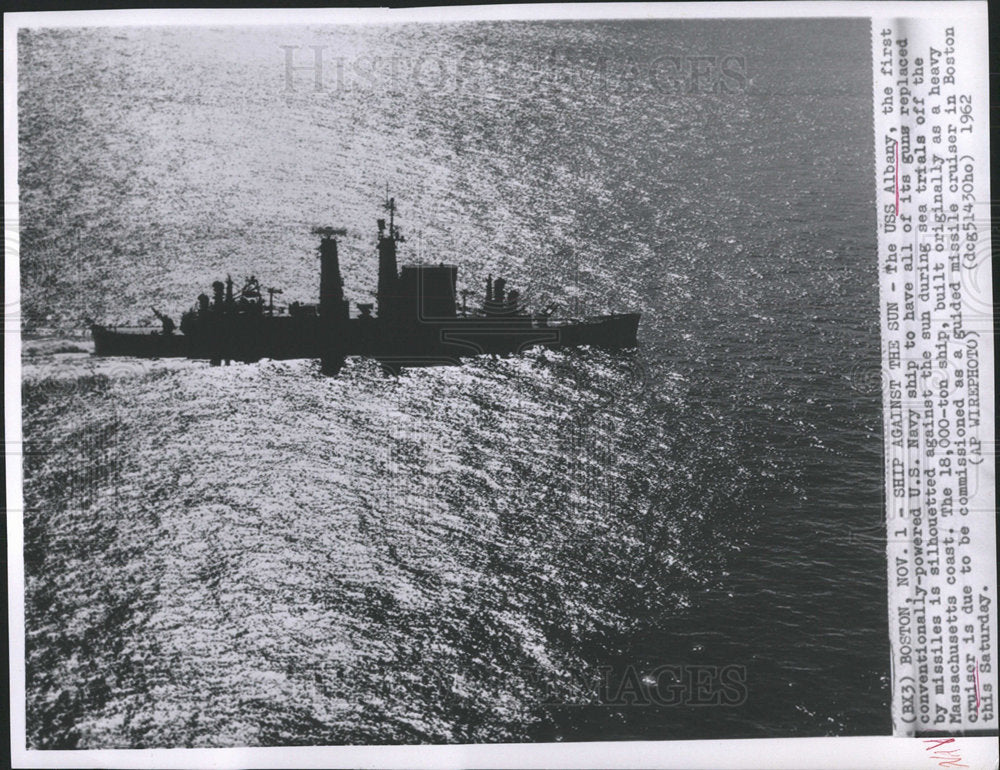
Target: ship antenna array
(390,206)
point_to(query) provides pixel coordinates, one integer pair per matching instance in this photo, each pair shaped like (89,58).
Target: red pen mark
(897,178)
(975,672)
(944,757)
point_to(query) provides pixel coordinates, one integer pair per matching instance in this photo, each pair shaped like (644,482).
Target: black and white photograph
(450,382)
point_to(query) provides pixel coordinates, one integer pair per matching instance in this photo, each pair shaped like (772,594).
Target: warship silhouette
(417,322)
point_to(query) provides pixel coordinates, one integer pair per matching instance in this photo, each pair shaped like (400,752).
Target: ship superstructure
(416,319)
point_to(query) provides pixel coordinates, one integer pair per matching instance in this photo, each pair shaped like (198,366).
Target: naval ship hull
(423,344)
(141,342)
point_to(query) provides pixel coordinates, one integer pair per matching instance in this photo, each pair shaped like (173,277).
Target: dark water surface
(260,555)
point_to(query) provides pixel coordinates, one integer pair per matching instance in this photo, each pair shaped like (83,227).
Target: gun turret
(168,324)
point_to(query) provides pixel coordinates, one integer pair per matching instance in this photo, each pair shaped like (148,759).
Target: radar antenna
(329,232)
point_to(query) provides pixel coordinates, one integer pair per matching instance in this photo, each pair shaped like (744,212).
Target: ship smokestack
(498,291)
(331,284)
(333,308)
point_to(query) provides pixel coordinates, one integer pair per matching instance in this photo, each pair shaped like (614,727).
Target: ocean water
(258,555)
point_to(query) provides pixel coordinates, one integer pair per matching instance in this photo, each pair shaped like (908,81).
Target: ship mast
(388,275)
(390,205)
(271,291)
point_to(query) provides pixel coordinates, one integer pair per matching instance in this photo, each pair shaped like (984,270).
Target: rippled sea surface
(258,555)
